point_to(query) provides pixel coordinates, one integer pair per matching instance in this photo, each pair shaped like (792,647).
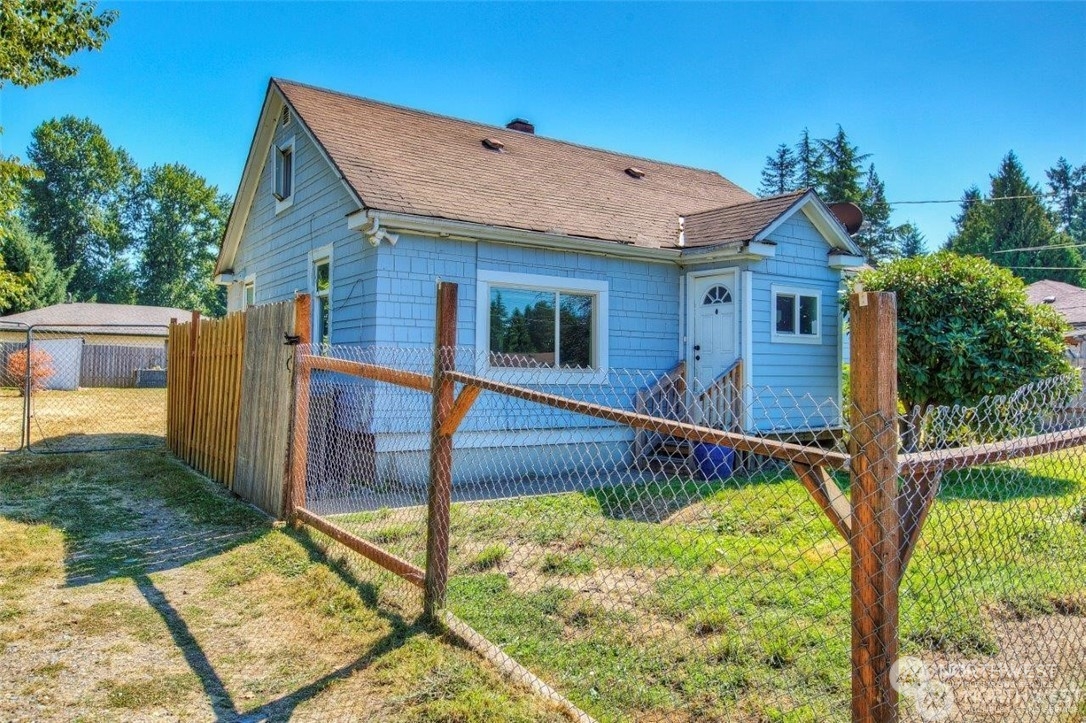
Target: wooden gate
(229,398)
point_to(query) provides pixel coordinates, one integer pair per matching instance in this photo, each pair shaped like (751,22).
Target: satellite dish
(849,214)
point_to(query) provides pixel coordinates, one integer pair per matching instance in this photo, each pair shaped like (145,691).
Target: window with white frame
(250,293)
(796,314)
(322,300)
(283,180)
(552,324)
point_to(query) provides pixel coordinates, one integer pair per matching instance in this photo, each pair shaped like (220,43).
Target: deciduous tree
(178,221)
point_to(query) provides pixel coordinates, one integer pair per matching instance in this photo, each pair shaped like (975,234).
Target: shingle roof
(736,223)
(408,161)
(102,317)
(1070,299)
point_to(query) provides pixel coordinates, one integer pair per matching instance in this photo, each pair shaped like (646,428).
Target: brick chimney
(519,124)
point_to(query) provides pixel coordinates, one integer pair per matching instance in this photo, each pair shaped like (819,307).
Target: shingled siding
(276,247)
(800,369)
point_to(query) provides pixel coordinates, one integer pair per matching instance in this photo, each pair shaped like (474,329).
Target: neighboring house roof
(1068,299)
(403,161)
(101,318)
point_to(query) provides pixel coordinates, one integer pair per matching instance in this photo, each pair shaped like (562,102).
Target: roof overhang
(259,150)
(748,251)
(821,217)
(388,222)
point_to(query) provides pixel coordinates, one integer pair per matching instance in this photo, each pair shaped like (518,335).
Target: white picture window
(553,326)
(283,175)
(321,291)
(797,315)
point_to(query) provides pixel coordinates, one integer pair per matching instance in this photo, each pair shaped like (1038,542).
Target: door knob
(697,347)
(697,357)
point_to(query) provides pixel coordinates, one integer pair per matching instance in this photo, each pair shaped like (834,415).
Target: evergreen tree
(516,334)
(79,200)
(808,162)
(842,170)
(31,278)
(1068,186)
(910,242)
(499,318)
(877,238)
(779,173)
(179,219)
(1013,218)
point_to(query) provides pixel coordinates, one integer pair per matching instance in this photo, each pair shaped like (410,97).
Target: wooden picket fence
(230,397)
(204,393)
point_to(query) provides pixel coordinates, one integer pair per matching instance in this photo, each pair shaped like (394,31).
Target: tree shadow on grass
(112,534)
(80,442)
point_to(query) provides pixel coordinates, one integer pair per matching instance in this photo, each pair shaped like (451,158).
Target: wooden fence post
(190,423)
(875,520)
(294,494)
(439,495)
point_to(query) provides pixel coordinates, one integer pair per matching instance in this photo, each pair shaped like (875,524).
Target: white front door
(714,343)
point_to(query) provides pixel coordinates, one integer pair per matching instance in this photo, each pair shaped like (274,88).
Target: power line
(1041,248)
(986,200)
(1044,268)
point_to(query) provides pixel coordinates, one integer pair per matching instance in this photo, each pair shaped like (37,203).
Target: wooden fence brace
(439,494)
(294,492)
(875,521)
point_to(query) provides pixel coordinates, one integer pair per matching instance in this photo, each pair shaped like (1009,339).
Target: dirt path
(132,590)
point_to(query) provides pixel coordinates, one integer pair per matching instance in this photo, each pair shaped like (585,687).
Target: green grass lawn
(686,600)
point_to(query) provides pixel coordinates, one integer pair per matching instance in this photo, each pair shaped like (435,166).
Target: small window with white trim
(250,293)
(796,315)
(283,175)
(322,300)
(555,325)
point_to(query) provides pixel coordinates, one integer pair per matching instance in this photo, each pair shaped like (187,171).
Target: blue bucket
(715,462)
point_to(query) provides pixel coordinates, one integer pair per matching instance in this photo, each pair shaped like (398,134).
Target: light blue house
(570,261)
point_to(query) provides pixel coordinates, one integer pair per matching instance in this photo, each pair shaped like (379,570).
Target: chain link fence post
(875,521)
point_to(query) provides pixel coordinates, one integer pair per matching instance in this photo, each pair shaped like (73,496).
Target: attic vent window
(493,144)
(283,175)
(284,117)
(634,172)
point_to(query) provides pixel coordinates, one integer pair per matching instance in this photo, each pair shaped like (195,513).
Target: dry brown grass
(131,589)
(85,419)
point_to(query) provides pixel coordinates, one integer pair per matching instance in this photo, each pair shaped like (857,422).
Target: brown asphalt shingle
(1070,299)
(736,223)
(103,315)
(408,161)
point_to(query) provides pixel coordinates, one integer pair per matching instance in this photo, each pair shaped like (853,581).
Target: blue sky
(937,93)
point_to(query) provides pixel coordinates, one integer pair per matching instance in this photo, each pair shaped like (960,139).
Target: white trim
(820,217)
(316,256)
(248,281)
(747,340)
(841,260)
(753,251)
(796,291)
(263,137)
(225,279)
(485,278)
(277,150)
(692,306)
(472,232)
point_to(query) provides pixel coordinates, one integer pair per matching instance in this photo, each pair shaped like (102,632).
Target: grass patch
(744,586)
(157,691)
(488,558)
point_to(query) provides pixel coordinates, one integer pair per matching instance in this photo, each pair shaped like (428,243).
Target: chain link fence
(81,388)
(635,545)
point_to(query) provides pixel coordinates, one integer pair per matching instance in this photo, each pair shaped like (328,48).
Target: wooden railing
(666,398)
(720,405)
